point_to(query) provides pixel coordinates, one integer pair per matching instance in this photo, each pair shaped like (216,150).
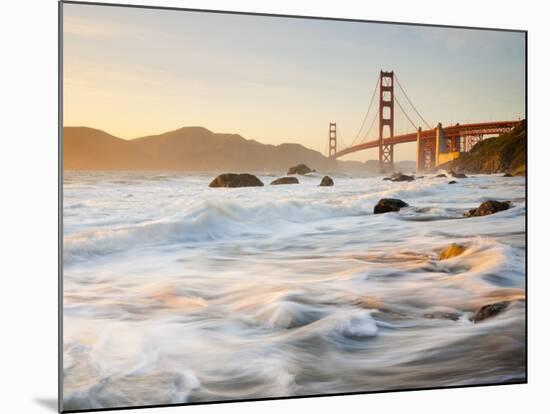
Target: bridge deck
(480,128)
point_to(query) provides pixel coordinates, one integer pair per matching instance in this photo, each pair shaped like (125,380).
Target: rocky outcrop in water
(285,180)
(397,177)
(301,169)
(488,207)
(452,182)
(326,181)
(452,251)
(387,205)
(457,174)
(236,180)
(488,311)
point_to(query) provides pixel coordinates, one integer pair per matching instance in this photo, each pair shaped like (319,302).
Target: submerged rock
(453,316)
(452,182)
(326,181)
(236,180)
(301,169)
(458,175)
(387,205)
(441,176)
(488,207)
(507,175)
(488,311)
(369,302)
(452,251)
(285,180)
(397,177)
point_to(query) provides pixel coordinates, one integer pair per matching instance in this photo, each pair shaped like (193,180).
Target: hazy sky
(135,72)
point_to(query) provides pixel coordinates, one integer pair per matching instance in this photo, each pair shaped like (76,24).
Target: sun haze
(134,72)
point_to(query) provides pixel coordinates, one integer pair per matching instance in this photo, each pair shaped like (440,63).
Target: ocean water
(175,292)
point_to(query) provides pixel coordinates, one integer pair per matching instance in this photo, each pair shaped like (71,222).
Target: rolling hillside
(186,149)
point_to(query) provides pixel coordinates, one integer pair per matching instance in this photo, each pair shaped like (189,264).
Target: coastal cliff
(506,153)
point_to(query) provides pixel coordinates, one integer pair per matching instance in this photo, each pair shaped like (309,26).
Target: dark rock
(441,176)
(401,177)
(301,169)
(386,179)
(488,207)
(457,175)
(453,316)
(326,181)
(236,180)
(387,205)
(488,311)
(452,182)
(285,180)
(507,175)
(419,177)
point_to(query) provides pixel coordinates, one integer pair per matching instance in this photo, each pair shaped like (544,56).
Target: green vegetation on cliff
(505,153)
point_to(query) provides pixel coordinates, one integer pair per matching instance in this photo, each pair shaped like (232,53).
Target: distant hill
(188,149)
(505,153)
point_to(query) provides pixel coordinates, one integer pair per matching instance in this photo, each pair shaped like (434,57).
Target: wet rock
(285,180)
(387,205)
(488,207)
(507,175)
(236,180)
(488,311)
(441,176)
(452,182)
(453,316)
(326,181)
(458,175)
(397,177)
(452,251)
(301,169)
(419,177)
(386,179)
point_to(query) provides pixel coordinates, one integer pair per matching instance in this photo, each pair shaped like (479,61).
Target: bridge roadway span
(453,131)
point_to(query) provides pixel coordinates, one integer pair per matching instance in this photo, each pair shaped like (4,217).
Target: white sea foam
(187,293)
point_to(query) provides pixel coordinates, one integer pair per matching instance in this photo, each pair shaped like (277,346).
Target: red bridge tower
(331,139)
(385,119)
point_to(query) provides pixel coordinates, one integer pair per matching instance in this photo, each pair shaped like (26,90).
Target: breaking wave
(183,293)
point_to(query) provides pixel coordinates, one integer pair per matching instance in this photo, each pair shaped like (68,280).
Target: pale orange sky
(135,72)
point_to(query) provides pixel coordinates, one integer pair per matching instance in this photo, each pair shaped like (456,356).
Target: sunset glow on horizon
(134,72)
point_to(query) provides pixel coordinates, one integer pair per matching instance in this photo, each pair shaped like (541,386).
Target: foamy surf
(217,294)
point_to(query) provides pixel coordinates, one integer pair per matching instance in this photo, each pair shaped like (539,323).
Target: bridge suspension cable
(406,115)
(410,103)
(371,125)
(362,138)
(367,113)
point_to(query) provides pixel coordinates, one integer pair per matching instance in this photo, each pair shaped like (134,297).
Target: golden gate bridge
(434,145)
